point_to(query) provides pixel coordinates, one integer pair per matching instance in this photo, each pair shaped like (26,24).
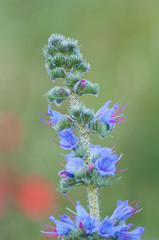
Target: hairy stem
(85,141)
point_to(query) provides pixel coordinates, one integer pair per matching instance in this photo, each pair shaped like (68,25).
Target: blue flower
(124,210)
(74,163)
(68,156)
(112,115)
(131,235)
(95,149)
(80,211)
(106,228)
(68,139)
(89,223)
(62,227)
(106,163)
(54,117)
(85,221)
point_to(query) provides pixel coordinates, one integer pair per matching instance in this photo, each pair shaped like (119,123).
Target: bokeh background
(120,39)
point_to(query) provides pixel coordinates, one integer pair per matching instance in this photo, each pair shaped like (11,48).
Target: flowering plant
(89,165)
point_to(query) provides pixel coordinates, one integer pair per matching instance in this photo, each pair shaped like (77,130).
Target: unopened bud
(80,224)
(65,174)
(91,166)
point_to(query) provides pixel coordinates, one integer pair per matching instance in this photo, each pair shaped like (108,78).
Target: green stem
(85,141)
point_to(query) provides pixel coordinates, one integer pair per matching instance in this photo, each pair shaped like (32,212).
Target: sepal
(49,50)
(86,87)
(79,233)
(73,60)
(63,44)
(64,123)
(100,127)
(58,95)
(67,184)
(80,150)
(72,79)
(57,73)
(81,114)
(82,67)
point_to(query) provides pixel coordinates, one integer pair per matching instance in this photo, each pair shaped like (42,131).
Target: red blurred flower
(36,197)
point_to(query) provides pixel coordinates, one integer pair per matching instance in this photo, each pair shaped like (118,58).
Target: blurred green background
(120,39)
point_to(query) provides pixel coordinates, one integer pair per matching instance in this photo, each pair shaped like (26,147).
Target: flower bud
(91,166)
(80,224)
(65,174)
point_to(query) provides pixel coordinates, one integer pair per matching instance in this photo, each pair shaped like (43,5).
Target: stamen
(113,146)
(49,235)
(131,203)
(70,200)
(70,216)
(45,114)
(48,226)
(52,230)
(118,107)
(123,170)
(71,211)
(62,164)
(60,144)
(119,159)
(136,204)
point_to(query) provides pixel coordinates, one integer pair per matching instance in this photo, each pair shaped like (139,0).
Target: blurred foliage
(120,39)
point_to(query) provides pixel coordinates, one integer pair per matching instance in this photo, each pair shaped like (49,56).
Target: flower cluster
(104,161)
(113,226)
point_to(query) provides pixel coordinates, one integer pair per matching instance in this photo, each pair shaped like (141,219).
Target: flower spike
(85,165)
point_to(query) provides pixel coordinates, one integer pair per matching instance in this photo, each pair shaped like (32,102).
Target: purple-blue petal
(74,163)
(131,235)
(80,211)
(90,224)
(106,229)
(68,139)
(122,212)
(55,116)
(95,149)
(106,163)
(64,226)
